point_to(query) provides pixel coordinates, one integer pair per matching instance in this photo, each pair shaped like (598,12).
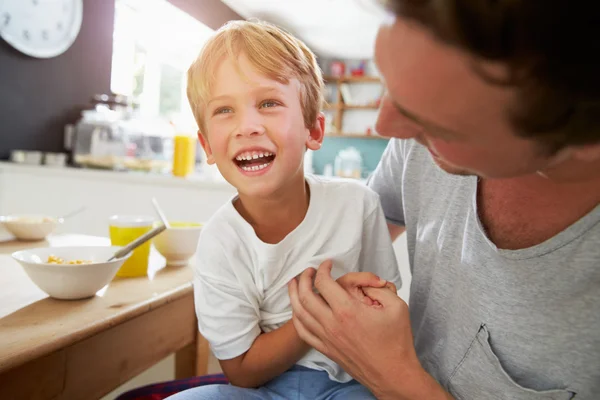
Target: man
(494,170)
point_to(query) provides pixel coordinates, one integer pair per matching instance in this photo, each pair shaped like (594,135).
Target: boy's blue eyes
(264,104)
(268,104)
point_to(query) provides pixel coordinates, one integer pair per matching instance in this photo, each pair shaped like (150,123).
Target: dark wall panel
(39,96)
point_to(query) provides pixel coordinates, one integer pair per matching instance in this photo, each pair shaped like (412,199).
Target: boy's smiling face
(255,129)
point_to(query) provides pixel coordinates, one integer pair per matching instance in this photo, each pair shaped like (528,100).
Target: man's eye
(268,104)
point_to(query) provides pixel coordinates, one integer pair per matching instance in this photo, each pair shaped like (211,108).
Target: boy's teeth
(255,167)
(253,155)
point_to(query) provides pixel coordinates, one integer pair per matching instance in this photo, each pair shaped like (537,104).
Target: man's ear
(206,146)
(316,133)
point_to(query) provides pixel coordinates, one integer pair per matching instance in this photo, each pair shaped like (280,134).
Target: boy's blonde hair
(272,51)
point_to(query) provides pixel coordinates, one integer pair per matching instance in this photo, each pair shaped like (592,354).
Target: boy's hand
(354,282)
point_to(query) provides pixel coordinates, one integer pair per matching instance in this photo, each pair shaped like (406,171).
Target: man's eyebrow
(429,126)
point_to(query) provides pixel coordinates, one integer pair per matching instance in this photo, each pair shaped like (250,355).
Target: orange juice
(184,155)
(123,230)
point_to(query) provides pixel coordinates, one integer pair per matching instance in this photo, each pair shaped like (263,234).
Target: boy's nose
(250,125)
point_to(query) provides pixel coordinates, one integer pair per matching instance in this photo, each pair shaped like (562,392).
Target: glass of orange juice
(123,230)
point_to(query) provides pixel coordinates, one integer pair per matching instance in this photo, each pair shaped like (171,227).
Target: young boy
(256,93)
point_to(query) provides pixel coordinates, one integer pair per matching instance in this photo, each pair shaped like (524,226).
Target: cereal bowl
(29,227)
(83,271)
(178,243)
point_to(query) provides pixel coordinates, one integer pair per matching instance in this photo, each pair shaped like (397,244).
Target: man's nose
(391,123)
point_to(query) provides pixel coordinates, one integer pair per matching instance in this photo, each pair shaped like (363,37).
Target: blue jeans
(298,383)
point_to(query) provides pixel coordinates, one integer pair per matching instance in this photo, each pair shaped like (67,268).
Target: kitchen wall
(39,96)
(370,151)
(355,121)
(212,13)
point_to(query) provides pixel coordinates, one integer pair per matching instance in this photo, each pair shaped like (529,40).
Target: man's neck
(274,217)
(525,211)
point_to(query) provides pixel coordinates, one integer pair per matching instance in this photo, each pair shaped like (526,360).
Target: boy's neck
(273,218)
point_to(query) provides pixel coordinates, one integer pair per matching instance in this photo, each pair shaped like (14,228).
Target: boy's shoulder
(342,190)
(221,227)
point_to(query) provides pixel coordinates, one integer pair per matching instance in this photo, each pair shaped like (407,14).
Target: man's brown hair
(552,49)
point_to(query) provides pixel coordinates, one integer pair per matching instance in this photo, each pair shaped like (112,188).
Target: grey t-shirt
(490,323)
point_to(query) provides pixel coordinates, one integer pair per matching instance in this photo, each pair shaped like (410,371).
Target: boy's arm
(377,252)
(271,354)
(229,317)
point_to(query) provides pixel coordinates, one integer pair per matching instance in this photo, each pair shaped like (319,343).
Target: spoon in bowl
(160,213)
(137,242)
(62,219)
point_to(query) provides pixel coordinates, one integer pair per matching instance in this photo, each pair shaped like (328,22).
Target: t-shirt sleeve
(377,253)
(386,180)
(226,317)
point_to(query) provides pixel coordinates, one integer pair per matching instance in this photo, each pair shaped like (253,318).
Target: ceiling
(331,28)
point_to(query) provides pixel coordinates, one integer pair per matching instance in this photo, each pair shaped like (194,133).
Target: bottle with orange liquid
(184,155)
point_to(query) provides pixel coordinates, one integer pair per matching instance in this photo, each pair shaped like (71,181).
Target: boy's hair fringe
(272,51)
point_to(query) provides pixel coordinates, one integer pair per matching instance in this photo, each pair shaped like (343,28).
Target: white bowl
(178,243)
(66,281)
(29,227)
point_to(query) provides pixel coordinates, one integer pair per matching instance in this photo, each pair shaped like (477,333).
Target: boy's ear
(316,133)
(206,146)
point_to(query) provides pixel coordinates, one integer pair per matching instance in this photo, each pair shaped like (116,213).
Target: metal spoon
(137,242)
(160,213)
(62,219)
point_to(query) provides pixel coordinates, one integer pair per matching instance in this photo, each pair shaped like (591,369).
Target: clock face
(40,28)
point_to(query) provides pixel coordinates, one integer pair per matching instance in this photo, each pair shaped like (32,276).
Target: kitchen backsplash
(370,151)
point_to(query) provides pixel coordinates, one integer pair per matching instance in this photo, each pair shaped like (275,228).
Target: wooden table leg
(39,379)
(192,360)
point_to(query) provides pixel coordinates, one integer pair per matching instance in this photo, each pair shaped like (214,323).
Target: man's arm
(271,354)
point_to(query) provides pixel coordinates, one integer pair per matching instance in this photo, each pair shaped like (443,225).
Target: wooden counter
(83,349)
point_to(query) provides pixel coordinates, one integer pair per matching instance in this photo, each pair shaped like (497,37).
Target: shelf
(355,136)
(357,79)
(330,107)
(360,107)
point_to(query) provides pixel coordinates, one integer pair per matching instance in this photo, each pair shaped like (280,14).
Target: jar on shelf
(348,163)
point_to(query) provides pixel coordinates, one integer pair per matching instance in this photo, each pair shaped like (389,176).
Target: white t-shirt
(240,282)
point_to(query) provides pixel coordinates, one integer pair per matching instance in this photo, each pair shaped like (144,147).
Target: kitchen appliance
(96,140)
(112,136)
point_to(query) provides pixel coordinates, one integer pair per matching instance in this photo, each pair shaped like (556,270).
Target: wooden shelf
(355,136)
(360,107)
(330,107)
(357,79)
(338,107)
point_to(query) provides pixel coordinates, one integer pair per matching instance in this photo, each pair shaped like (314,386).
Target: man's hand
(373,344)
(355,282)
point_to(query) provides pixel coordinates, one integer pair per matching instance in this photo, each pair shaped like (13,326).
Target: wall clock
(40,28)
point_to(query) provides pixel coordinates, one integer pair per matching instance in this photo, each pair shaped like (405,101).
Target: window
(154,44)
